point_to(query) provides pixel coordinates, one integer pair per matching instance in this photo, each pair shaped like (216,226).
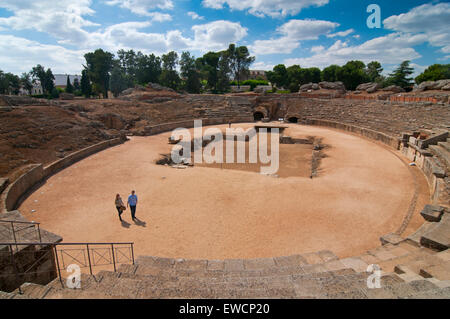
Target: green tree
(330,74)
(148,68)
(224,72)
(209,65)
(374,71)
(26,82)
(353,74)
(279,76)
(189,73)
(85,83)
(9,83)
(401,76)
(69,87)
(169,76)
(45,77)
(76,86)
(240,61)
(294,77)
(118,81)
(434,72)
(99,65)
(311,75)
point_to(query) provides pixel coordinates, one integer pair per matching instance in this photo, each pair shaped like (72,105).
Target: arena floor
(363,191)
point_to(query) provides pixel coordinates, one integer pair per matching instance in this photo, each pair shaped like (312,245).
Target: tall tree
(294,77)
(46,78)
(26,82)
(223,73)
(210,69)
(330,74)
(69,87)
(373,71)
(434,72)
(76,85)
(99,64)
(279,76)
(148,68)
(189,73)
(401,76)
(9,83)
(86,88)
(169,75)
(353,74)
(240,61)
(118,81)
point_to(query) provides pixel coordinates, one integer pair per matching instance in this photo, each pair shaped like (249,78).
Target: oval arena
(354,188)
(214,213)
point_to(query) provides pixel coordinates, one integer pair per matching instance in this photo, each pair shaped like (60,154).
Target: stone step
(445,145)
(417,264)
(33,291)
(440,271)
(438,235)
(442,153)
(237,264)
(417,235)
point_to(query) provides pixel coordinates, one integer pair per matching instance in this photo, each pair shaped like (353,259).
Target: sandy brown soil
(363,192)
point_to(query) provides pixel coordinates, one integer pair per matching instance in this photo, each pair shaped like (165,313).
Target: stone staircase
(408,271)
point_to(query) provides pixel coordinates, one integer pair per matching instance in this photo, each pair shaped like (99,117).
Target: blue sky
(305,32)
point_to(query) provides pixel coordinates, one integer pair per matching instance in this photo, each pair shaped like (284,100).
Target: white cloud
(273,8)
(142,7)
(195,16)
(292,33)
(27,54)
(259,65)
(431,20)
(217,35)
(317,49)
(391,49)
(340,34)
(62,19)
(160,17)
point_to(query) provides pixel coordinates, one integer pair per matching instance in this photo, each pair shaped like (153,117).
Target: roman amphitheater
(363,185)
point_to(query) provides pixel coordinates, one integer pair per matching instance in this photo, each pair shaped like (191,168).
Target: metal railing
(84,255)
(20,231)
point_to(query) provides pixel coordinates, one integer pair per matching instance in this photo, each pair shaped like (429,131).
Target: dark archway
(293,120)
(258,116)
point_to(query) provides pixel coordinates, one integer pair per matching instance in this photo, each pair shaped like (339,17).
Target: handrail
(65,244)
(18,222)
(112,257)
(15,231)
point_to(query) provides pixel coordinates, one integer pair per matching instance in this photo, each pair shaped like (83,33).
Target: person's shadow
(125,224)
(139,222)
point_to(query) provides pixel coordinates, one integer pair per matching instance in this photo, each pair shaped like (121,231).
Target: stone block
(234,265)
(432,213)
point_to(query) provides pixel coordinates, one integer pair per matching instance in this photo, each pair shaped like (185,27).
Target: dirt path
(363,192)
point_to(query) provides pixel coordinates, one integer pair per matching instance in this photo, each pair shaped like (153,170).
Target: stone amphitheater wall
(371,134)
(36,173)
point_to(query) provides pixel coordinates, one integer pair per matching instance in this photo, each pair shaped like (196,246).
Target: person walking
(132,201)
(120,206)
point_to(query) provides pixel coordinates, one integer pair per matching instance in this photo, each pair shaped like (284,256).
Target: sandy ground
(363,192)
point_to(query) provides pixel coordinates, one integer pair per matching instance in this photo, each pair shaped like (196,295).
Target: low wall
(413,99)
(14,191)
(36,173)
(55,167)
(374,135)
(161,128)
